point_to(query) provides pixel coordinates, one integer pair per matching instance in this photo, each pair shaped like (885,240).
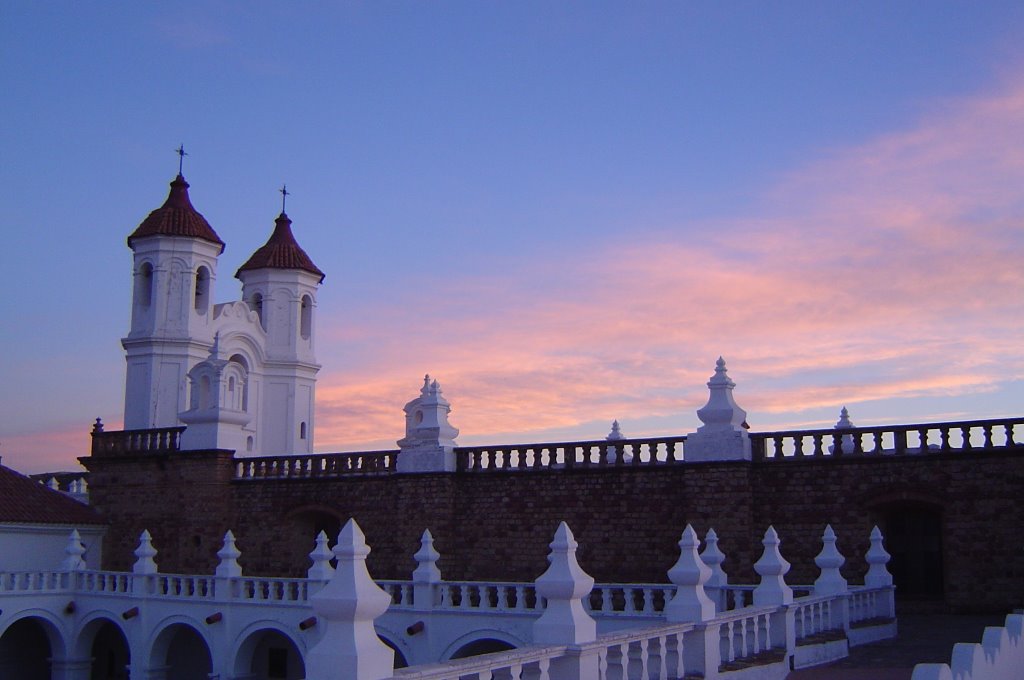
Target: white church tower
(175,266)
(239,375)
(279,283)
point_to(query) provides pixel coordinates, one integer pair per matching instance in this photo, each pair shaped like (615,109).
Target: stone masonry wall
(496,525)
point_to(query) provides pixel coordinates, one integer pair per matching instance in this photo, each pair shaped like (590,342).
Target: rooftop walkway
(922,639)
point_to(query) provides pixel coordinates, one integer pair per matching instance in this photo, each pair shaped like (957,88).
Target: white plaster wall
(40,547)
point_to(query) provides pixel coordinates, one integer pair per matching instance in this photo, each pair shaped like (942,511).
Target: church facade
(240,375)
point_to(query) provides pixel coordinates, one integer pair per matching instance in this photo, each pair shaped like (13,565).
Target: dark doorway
(25,650)
(913,537)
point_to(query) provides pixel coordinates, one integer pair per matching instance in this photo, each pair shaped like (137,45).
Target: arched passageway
(268,654)
(400,660)
(183,652)
(913,536)
(109,652)
(25,650)
(482,646)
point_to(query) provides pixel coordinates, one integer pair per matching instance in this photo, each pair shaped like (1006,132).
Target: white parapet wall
(1000,656)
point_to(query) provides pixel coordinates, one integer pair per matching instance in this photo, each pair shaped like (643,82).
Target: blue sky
(564,211)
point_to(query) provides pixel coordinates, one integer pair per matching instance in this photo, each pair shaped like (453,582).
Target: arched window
(202,289)
(248,443)
(145,285)
(302,430)
(257,306)
(244,380)
(204,392)
(306,317)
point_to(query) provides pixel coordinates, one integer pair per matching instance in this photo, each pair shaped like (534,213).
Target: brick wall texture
(497,525)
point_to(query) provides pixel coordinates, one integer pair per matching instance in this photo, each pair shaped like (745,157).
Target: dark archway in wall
(484,646)
(304,525)
(25,651)
(913,536)
(110,654)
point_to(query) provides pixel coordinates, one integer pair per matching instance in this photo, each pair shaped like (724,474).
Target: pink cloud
(884,272)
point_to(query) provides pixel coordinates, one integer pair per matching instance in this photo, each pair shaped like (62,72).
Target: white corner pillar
(723,435)
(565,621)
(429,442)
(348,605)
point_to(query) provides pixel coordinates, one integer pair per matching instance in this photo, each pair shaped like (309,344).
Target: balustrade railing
(132,442)
(505,597)
(745,633)
(571,455)
(632,600)
(34,581)
(917,439)
(316,465)
(814,615)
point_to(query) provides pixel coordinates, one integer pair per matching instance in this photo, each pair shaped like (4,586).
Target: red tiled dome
(177,217)
(281,252)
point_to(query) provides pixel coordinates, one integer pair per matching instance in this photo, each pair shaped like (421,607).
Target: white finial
(772,568)
(349,603)
(215,350)
(616,433)
(52,483)
(564,585)
(73,553)
(690,602)
(613,451)
(713,557)
(321,570)
(877,557)
(144,554)
(229,555)
(830,581)
(723,436)
(426,560)
(429,441)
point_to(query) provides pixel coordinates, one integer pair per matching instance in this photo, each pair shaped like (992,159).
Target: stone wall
(496,525)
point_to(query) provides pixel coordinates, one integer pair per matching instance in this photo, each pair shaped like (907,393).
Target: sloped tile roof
(23,500)
(177,217)
(281,252)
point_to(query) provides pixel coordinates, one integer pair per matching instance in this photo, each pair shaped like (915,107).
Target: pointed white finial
(52,483)
(215,350)
(73,553)
(426,561)
(690,602)
(564,585)
(772,568)
(321,570)
(613,451)
(229,555)
(349,603)
(877,557)
(713,557)
(144,554)
(830,581)
(723,435)
(426,385)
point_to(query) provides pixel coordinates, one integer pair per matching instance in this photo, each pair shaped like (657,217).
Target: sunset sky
(564,211)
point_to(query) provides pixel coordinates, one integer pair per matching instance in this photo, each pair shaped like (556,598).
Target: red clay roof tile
(177,217)
(23,500)
(281,252)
